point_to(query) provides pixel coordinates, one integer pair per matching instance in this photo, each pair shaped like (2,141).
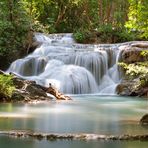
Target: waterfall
(72,68)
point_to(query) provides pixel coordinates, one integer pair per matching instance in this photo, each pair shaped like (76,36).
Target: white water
(72,68)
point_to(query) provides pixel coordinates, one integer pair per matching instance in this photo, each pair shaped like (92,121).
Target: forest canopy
(110,20)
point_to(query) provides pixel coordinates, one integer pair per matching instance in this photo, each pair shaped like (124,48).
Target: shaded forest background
(91,21)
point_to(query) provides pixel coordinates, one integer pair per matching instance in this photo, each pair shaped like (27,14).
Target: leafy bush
(105,29)
(6,85)
(137,70)
(123,35)
(79,36)
(84,35)
(105,32)
(43,28)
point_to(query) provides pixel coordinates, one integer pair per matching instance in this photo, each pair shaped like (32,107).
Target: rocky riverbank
(28,91)
(130,84)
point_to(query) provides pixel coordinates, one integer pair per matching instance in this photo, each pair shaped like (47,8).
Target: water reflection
(85,114)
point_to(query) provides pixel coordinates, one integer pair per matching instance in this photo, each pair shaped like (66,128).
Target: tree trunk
(108,12)
(100,12)
(62,11)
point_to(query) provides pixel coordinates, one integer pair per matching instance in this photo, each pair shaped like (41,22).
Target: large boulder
(34,90)
(130,88)
(127,88)
(27,90)
(133,54)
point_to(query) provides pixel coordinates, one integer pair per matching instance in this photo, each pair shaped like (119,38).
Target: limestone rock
(18,96)
(127,88)
(28,90)
(140,45)
(132,55)
(33,90)
(18,82)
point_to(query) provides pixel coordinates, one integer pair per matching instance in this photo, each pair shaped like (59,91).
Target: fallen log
(83,136)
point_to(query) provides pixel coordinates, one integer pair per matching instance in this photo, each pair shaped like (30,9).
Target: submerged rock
(144,120)
(83,136)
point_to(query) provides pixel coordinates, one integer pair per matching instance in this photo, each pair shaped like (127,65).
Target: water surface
(110,115)
(85,114)
(7,142)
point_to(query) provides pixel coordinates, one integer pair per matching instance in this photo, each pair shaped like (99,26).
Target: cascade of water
(72,68)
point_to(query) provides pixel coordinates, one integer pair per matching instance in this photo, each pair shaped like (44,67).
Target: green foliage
(79,36)
(115,20)
(144,53)
(39,27)
(105,28)
(57,16)
(137,70)
(14,26)
(108,33)
(6,85)
(123,35)
(138,16)
(84,35)
(105,32)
